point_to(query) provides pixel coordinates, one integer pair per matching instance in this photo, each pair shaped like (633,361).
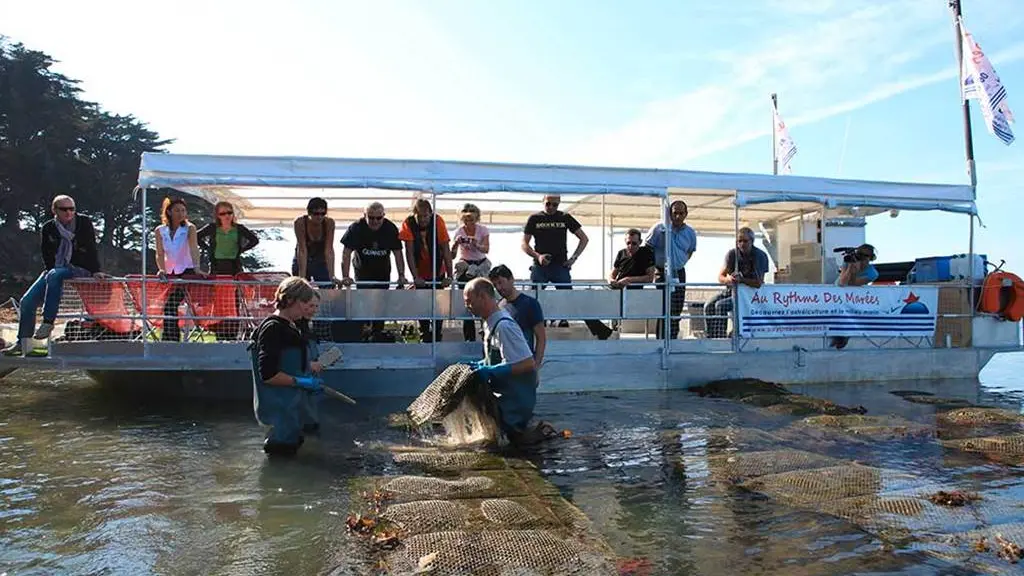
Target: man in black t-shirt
(374,240)
(549,230)
(633,267)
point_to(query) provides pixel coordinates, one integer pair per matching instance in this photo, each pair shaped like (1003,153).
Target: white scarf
(67,238)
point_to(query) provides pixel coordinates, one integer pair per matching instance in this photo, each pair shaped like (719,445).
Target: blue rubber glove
(499,370)
(476,364)
(311,383)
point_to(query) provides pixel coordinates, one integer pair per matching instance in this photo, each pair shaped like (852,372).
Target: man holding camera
(857,271)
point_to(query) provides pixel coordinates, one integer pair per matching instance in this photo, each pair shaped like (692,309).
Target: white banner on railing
(786,310)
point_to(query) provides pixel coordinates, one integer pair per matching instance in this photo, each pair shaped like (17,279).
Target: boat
(899,330)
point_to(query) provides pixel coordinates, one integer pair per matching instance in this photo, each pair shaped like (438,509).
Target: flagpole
(775,154)
(954,5)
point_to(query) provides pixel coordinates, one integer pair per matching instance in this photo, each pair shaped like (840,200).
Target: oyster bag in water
(443,395)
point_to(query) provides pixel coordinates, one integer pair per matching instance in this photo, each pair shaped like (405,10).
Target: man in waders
(286,382)
(508,366)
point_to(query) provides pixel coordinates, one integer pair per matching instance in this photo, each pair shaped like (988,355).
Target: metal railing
(230,308)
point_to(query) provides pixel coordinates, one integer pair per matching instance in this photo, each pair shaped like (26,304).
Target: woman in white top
(177,256)
(470,245)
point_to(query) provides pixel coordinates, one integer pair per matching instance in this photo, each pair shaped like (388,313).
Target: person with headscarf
(68,247)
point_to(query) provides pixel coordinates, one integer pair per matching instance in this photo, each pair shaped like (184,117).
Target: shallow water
(92,483)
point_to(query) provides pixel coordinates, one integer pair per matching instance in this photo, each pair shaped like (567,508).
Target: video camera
(850,254)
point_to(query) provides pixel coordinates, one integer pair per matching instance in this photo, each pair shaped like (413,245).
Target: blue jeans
(316,270)
(49,287)
(719,306)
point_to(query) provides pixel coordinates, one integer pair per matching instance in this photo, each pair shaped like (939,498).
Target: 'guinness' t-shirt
(550,232)
(372,248)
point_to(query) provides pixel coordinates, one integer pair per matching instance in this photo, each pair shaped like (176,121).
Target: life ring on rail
(1002,293)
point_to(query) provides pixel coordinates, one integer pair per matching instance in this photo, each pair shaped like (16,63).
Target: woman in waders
(286,374)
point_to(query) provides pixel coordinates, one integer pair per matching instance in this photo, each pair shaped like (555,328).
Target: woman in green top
(224,240)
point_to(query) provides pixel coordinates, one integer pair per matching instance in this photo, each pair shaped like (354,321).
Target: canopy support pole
(824,264)
(970,277)
(433,285)
(145,254)
(604,233)
(736,268)
(666,317)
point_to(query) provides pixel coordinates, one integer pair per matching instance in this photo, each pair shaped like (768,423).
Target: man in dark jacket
(68,246)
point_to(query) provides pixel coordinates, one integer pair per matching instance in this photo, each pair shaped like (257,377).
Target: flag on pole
(978,80)
(785,148)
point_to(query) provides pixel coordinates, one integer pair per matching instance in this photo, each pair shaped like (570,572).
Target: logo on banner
(912,305)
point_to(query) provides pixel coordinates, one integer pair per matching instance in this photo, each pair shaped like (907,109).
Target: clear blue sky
(651,83)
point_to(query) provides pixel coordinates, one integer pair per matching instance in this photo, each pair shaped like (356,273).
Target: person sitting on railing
(744,264)
(633,267)
(224,240)
(68,247)
(507,366)
(684,244)
(420,243)
(524,309)
(177,256)
(314,247)
(285,375)
(857,271)
(470,247)
(549,229)
(374,241)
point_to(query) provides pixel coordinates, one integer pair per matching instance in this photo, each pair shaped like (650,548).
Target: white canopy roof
(274,190)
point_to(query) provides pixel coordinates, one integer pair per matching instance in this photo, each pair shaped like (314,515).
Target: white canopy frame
(272,191)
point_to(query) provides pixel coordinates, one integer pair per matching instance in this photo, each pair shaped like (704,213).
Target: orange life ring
(1003,293)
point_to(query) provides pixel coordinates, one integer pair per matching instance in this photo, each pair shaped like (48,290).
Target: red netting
(106,303)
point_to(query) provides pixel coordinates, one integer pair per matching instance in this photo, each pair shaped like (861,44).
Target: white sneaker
(43,332)
(14,349)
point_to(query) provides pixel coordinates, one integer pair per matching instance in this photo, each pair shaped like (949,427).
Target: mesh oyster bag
(444,394)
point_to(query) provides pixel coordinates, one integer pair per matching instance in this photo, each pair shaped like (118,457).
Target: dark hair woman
(177,256)
(314,247)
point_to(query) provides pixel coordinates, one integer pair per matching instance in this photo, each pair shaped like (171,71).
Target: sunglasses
(318,213)
(66,208)
(551,204)
(375,218)
(631,243)
(225,214)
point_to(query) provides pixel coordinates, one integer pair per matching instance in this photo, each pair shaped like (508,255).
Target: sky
(868,89)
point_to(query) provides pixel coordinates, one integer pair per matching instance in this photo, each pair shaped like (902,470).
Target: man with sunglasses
(68,246)
(549,231)
(374,240)
(683,240)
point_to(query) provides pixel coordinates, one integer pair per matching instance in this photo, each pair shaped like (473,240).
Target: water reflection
(96,482)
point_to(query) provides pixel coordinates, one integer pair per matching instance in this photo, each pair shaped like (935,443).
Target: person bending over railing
(68,248)
(418,235)
(744,264)
(373,239)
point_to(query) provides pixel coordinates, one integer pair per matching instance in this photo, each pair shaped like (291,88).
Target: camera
(850,254)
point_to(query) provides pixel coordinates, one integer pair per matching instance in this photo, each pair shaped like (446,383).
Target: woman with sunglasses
(471,244)
(177,256)
(314,248)
(224,240)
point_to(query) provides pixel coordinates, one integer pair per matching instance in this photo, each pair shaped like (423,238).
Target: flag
(785,148)
(978,80)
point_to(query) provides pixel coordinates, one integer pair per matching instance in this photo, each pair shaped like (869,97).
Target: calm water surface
(93,483)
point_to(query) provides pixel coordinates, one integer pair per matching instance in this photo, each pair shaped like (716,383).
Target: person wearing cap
(524,309)
(858,272)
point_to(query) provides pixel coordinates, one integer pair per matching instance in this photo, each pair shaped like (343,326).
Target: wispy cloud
(834,58)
